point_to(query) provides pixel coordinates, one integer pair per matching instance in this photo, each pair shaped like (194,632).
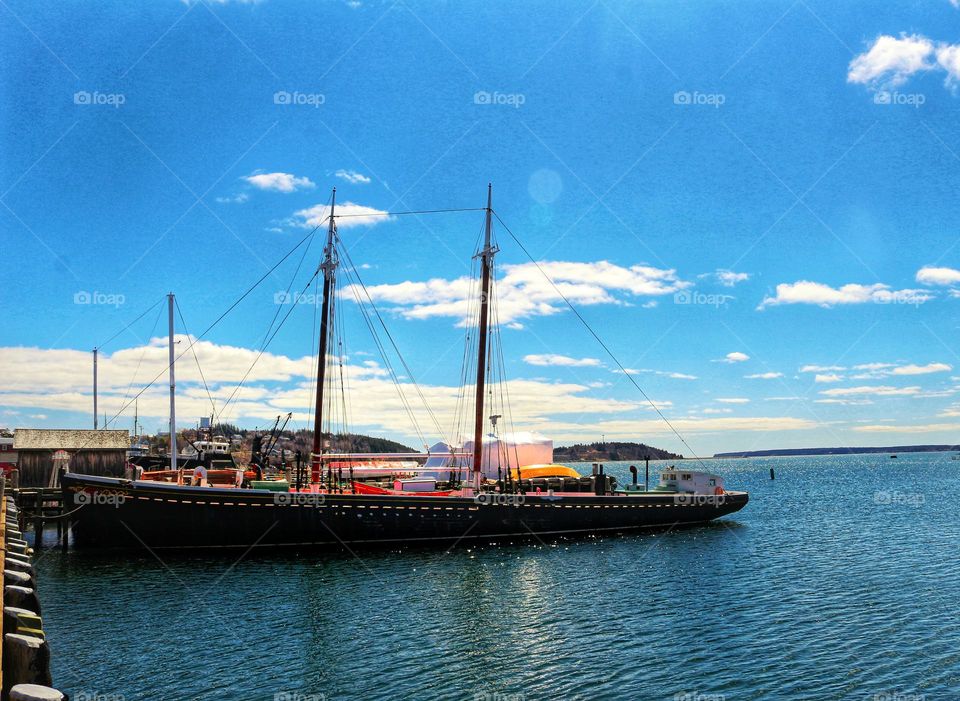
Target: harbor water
(840,579)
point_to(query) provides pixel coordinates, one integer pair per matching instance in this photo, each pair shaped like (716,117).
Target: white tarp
(509,450)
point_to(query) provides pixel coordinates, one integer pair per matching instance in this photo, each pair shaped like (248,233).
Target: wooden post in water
(771,474)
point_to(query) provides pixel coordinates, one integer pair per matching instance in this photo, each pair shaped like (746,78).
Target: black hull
(117,513)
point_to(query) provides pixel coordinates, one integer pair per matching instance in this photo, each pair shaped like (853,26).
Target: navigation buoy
(771,474)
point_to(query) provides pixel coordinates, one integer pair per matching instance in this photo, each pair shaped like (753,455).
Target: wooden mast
(486,258)
(328,266)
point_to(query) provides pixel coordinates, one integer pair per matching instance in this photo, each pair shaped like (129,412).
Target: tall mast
(173,391)
(95,419)
(329,267)
(486,258)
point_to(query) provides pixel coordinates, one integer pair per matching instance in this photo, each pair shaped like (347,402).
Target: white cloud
(827,377)
(236,199)
(890,61)
(764,376)
(900,428)
(932,275)
(662,373)
(523,292)
(734,357)
(717,411)
(921,369)
(353,177)
(733,400)
(877,390)
(560,361)
(822,368)
(352,215)
(806,292)
(279,182)
(844,402)
(948,57)
(727,278)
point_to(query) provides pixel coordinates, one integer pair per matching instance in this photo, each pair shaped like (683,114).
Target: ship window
(713,483)
(670,477)
(686,477)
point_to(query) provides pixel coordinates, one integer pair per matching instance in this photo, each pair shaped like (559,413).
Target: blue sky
(772,180)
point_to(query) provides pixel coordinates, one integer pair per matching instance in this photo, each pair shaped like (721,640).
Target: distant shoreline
(788,452)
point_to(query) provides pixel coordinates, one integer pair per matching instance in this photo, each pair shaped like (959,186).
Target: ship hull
(109,512)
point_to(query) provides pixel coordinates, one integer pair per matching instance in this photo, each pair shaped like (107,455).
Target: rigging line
(393,343)
(149,309)
(142,354)
(313,347)
(217,321)
(213,406)
(264,348)
(386,359)
(419,211)
(600,341)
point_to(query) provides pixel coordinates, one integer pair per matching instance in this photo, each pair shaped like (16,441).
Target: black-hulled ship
(329,505)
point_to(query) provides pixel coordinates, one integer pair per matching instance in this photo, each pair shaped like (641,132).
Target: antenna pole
(329,267)
(173,390)
(486,257)
(95,418)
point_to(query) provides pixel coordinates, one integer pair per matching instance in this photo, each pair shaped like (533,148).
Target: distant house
(8,456)
(89,452)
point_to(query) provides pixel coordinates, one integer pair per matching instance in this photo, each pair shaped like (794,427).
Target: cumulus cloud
(734,357)
(877,370)
(279,182)
(549,360)
(523,292)
(727,278)
(890,61)
(353,177)
(764,376)
(827,377)
(932,275)
(733,400)
(806,292)
(40,381)
(900,428)
(822,368)
(876,390)
(347,214)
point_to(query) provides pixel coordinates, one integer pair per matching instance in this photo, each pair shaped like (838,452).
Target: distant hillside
(611,451)
(303,440)
(785,452)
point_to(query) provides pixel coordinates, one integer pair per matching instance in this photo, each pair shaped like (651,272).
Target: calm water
(839,580)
